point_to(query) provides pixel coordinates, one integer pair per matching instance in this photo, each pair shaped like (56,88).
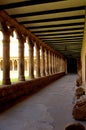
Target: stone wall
(11,93)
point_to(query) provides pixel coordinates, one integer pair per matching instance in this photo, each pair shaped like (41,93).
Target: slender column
(60,64)
(47,63)
(43,62)
(18,65)
(21,57)
(54,61)
(31,58)
(12,65)
(65,66)
(57,64)
(51,62)
(49,57)
(6,54)
(37,60)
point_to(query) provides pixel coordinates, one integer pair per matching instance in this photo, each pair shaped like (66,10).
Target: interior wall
(71,65)
(83,57)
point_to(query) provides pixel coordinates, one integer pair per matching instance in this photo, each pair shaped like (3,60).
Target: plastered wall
(83,57)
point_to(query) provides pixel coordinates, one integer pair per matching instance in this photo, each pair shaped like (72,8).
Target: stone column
(37,60)
(31,58)
(53,62)
(49,57)
(65,66)
(56,64)
(13,65)
(47,63)
(43,62)
(60,64)
(21,57)
(6,54)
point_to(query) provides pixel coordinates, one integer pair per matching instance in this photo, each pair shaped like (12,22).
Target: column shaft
(43,62)
(6,55)
(31,59)
(47,63)
(49,57)
(37,60)
(50,62)
(21,58)
(53,63)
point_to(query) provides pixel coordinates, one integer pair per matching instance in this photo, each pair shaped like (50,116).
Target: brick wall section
(11,93)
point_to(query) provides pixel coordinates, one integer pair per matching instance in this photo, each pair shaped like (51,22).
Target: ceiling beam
(11,22)
(48,12)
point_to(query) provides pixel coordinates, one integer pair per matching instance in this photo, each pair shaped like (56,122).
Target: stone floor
(49,109)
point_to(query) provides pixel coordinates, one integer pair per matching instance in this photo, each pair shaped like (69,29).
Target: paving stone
(49,109)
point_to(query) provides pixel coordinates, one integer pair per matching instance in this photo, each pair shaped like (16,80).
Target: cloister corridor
(48,109)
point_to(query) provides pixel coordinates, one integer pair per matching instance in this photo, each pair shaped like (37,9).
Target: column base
(6,81)
(22,78)
(38,76)
(31,77)
(42,75)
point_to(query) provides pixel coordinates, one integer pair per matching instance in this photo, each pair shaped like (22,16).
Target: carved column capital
(30,41)
(21,37)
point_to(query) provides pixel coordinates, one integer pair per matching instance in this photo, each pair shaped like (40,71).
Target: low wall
(11,93)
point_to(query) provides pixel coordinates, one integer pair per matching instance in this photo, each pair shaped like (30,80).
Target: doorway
(72,65)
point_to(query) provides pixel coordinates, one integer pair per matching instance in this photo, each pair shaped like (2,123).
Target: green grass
(13,80)
(14,76)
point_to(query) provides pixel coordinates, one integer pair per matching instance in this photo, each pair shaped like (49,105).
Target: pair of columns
(48,58)
(6,55)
